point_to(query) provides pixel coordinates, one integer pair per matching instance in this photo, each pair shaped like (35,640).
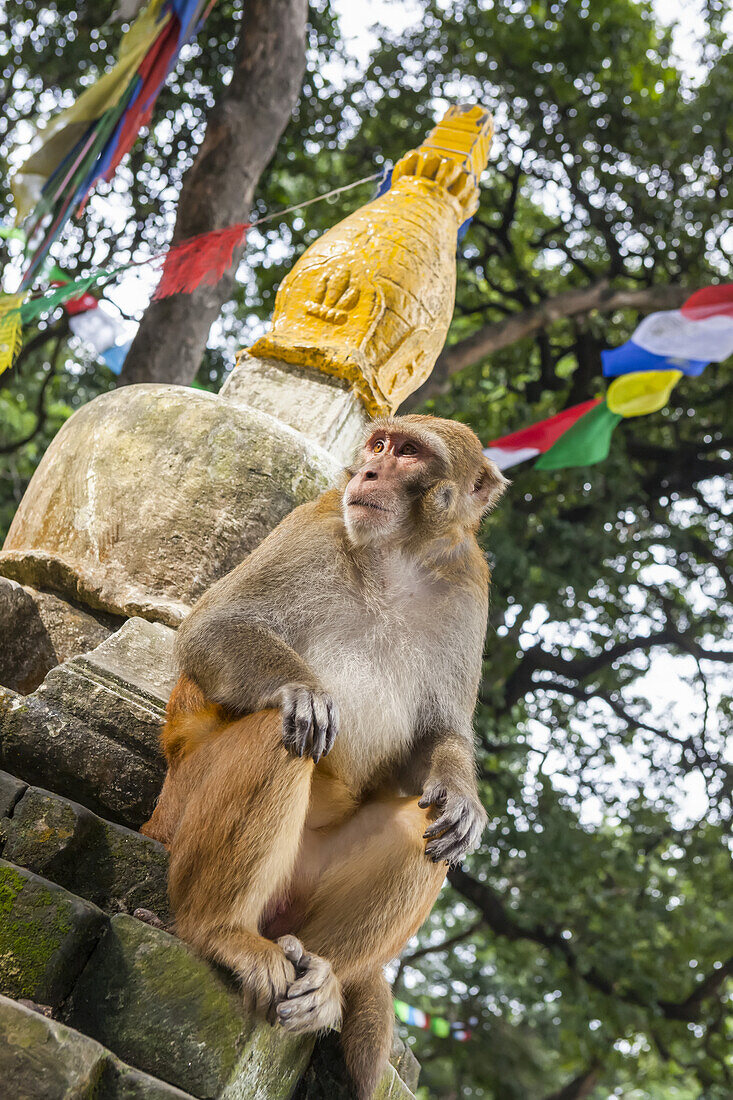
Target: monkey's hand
(310,721)
(460,825)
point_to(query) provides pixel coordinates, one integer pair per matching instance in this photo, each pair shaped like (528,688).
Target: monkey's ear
(490,486)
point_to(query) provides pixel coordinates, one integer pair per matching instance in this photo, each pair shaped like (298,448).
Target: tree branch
(503,923)
(571,303)
(580,1087)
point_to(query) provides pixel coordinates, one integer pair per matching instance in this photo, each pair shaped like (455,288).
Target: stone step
(141,993)
(40,630)
(90,731)
(46,936)
(42,1059)
(145,996)
(109,865)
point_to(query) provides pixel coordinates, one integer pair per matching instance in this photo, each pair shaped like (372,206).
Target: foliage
(590,936)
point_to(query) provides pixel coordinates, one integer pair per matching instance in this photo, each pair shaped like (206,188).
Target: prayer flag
(685,339)
(711,301)
(641,393)
(630,358)
(585,443)
(115,356)
(96,328)
(532,441)
(11,329)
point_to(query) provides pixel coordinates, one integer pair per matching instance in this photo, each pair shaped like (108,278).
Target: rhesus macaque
(319,739)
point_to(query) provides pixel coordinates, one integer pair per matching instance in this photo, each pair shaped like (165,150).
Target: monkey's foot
(266,975)
(313,1001)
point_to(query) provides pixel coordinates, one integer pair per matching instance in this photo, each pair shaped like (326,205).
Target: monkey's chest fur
(375,656)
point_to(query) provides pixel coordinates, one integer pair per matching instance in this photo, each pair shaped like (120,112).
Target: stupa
(150,493)
(144,498)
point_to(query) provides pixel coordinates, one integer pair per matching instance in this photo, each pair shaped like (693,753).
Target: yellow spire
(371,300)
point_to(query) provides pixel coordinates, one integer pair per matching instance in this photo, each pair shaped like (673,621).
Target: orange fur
(289,850)
(352,636)
(190,719)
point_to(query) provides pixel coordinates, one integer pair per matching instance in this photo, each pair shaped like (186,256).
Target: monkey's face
(418,475)
(394,469)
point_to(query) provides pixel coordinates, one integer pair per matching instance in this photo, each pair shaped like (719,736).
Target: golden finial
(371,300)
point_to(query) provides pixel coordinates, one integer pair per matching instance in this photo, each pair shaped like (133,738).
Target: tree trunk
(242,133)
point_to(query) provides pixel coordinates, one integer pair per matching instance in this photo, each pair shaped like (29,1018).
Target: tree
(590,936)
(242,132)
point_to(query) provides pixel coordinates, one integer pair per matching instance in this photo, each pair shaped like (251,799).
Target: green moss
(32,929)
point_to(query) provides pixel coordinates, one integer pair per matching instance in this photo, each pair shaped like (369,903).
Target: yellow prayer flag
(11,329)
(641,392)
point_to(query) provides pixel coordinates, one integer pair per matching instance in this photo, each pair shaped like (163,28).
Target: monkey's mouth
(359,502)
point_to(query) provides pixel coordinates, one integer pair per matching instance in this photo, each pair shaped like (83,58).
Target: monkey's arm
(242,664)
(451,787)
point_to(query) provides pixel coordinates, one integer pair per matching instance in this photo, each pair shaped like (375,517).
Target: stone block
(138,655)
(323,408)
(405,1062)
(151,1000)
(46,936)
(41,1059)
(41,630)
(11,791)
(91,730)
(327,1078)
(150,493)
(109,865)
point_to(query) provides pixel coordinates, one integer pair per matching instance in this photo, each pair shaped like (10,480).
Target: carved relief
(372,299)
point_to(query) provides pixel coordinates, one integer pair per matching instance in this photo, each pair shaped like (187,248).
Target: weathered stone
(91,730)
(46,936)
(7,699)
(139,655)
(151,1000)
(323,408)
(150,493)
(41,1059)
(11,790)
(327,1078)
(109,865)
(40,630)
(392,1087)
(121,1082)
(26,653)
(405,1062)
(270,1067)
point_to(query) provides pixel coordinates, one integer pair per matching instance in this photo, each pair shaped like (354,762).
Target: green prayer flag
(440,1027)
(34,307)
(401,1010)
(587,442)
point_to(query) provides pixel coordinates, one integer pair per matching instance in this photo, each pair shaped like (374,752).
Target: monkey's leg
(377,889)
(233,852)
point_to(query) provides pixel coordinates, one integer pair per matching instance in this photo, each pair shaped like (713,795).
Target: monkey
(321,770)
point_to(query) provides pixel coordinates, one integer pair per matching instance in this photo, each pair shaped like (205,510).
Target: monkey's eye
(378,446)
(408,449)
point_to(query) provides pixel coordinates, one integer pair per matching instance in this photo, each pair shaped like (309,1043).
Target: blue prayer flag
(630,357)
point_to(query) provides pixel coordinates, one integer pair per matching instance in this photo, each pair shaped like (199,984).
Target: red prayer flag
(545,432)
(200,261)
(81,304)
(711,301)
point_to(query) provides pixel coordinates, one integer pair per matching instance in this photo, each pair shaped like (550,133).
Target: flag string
(196,246)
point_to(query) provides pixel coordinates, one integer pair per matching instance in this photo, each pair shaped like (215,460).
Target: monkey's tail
(366,1032)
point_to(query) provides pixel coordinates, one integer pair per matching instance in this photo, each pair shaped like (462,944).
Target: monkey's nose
(370,475)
